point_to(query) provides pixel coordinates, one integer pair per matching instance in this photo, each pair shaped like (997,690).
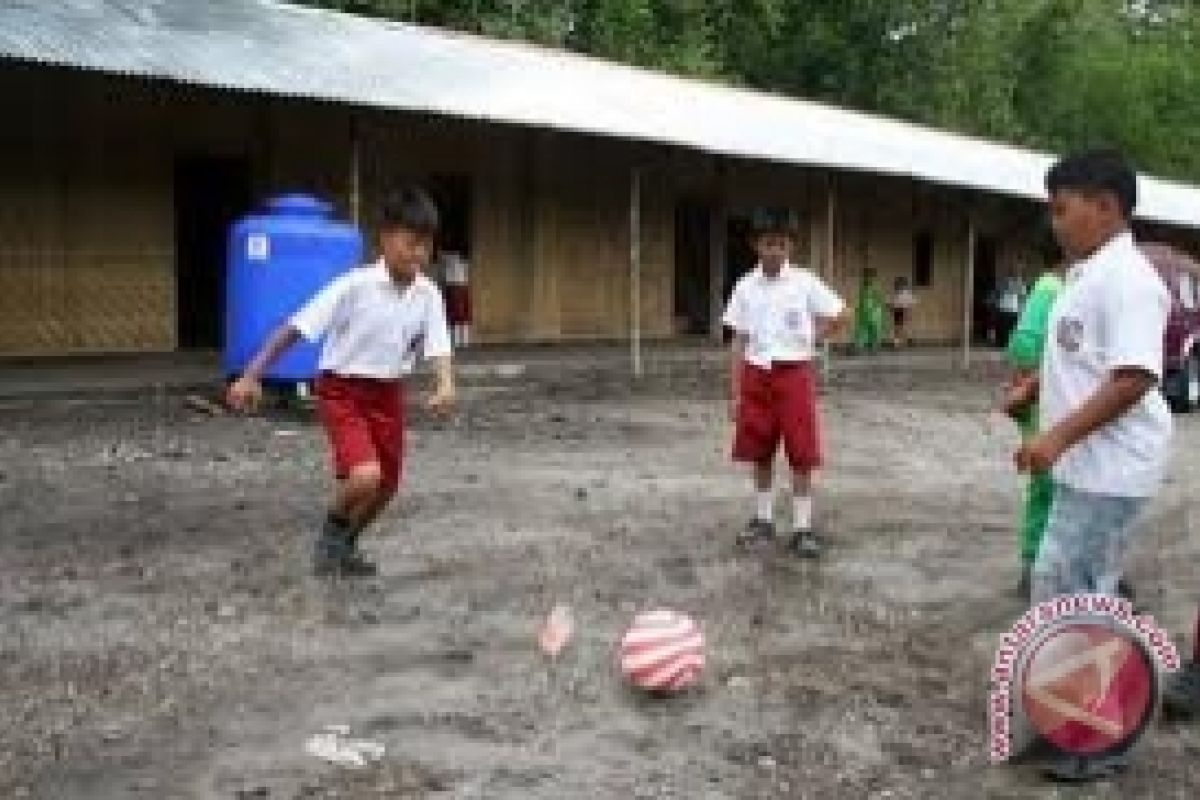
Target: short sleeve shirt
(374,327)
(778,315)
(1111,314)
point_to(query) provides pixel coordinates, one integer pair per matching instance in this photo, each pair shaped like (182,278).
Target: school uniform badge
(1070,334)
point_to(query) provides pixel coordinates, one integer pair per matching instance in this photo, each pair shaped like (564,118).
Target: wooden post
(969,293)
(718,248)
(355,172)
(635,271)
(830,250)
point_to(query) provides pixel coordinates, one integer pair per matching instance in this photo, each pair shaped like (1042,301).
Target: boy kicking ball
(376,321)
(778,313)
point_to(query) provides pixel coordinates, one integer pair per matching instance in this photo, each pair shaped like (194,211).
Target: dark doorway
(452,194)
(210,194)
(740,257)
(983,311)
(693,272)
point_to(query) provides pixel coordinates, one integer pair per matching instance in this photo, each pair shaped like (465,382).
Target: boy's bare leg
(804,542)
(358,493)
(762,526)
(764,476)
(357,501)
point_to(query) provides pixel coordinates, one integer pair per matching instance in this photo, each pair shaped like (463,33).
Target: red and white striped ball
(662,651)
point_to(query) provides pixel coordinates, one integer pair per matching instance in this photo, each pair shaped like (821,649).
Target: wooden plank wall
(87,219)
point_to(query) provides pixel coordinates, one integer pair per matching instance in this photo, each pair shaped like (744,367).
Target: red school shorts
(778,404)
(364,420)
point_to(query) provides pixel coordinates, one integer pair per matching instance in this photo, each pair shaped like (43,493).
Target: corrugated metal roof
(270,47)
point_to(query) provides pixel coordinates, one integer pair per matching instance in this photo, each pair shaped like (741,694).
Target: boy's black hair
(411,208)
(1100,171)
(767,220)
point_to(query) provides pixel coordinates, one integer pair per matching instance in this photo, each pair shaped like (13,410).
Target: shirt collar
(382,272)
(1119,245)
(784,271)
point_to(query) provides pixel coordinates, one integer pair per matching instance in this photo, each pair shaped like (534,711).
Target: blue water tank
(278,260)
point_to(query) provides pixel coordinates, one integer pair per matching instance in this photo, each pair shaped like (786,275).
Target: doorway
(452,196)
(211,193)
(693,268)
(983,312)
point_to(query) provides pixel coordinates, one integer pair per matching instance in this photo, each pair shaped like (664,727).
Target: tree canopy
(1052,74)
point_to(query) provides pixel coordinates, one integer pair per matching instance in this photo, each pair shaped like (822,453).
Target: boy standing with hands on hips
(376,321)
(778,312)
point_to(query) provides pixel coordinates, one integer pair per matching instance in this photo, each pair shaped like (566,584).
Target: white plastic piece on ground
(333,746)
(556,631)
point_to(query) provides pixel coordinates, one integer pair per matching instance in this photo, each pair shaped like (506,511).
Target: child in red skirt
(376,322)
(778,313)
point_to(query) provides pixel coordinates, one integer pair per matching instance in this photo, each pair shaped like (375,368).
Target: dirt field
(160,636)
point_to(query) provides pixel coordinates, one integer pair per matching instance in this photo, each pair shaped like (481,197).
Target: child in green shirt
(1024,352)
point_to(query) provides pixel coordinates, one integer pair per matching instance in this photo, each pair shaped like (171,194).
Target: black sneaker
(759,530)
(329,552)
(1025,583)
(355,565)
(1181,695)
(1080,769)
(1125,590)
(806,544)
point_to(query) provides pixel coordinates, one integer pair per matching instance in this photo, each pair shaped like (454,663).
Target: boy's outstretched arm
(246,392)
(444,394)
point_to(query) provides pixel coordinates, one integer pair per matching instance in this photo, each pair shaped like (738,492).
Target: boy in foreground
(376,321)
(1104,429)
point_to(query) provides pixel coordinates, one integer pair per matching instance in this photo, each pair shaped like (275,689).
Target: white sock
(765,505)
(802,510)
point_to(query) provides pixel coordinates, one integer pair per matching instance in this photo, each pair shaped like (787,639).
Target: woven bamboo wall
(87,211)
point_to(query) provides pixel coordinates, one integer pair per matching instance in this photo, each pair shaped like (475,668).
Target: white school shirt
(373,326)
(1111,314)
(778,315)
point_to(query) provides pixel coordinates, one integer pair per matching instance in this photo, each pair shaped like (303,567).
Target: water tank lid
(297,205)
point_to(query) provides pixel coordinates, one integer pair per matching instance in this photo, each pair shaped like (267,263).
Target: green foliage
(1055,74)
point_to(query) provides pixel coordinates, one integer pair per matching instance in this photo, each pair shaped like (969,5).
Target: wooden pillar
(718,257)
(355,171)
(969,293)
(635,271)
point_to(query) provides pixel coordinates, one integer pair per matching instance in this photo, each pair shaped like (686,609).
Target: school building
(592,201)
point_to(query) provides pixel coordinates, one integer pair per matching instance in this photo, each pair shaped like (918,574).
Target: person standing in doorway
(902,302)
(868,314)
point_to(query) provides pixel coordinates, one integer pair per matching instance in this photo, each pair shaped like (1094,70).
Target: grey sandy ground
(159,637)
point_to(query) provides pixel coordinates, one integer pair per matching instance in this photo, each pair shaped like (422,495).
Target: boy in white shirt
(376,321)
(1106,431)
(778,312)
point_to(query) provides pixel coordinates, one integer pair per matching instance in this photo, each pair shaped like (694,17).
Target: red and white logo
(1081,674)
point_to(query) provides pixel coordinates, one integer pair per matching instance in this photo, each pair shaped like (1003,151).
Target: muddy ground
(160,637)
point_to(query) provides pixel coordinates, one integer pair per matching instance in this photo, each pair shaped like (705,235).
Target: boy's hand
(441,403)
(1039,454)
(245,394)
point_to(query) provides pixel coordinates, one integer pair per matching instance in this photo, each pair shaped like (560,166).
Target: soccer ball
(662,651)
